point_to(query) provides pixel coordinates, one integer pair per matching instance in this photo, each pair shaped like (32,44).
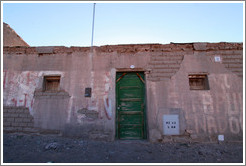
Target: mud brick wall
(203,114)
(231,56)
(17,119)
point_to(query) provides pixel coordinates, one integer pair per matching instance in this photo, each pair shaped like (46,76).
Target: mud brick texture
(17,119)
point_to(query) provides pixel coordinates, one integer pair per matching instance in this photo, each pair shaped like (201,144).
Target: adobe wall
(203,114)
(17,119)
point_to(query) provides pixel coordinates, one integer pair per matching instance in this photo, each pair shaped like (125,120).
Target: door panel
(130,116)
(130,132)
(130,105)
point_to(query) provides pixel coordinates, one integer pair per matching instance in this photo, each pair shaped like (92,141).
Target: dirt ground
(23,148)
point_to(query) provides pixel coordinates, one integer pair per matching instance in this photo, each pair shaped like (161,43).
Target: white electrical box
(171,124)
(221,137)
(217,59)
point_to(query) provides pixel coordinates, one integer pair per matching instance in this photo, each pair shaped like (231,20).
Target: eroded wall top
(165,58)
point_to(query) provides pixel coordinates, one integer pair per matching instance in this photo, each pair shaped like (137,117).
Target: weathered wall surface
(203,114)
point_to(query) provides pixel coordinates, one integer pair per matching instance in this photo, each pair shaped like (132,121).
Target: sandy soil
(22,148)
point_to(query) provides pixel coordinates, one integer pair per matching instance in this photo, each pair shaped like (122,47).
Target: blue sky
(70,24)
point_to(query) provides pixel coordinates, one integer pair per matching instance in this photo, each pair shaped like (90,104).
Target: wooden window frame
(201,79)
(53,79)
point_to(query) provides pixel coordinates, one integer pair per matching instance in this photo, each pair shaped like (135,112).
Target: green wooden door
(130,104)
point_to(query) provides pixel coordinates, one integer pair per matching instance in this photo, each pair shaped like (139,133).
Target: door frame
(145,132)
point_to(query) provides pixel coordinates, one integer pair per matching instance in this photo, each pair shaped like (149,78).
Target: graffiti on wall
(100,100)
(107,101)
(18,88)
(210,111)
(217,114)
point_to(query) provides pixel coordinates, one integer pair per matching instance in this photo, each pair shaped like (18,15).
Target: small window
(52,83)
(198,82)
